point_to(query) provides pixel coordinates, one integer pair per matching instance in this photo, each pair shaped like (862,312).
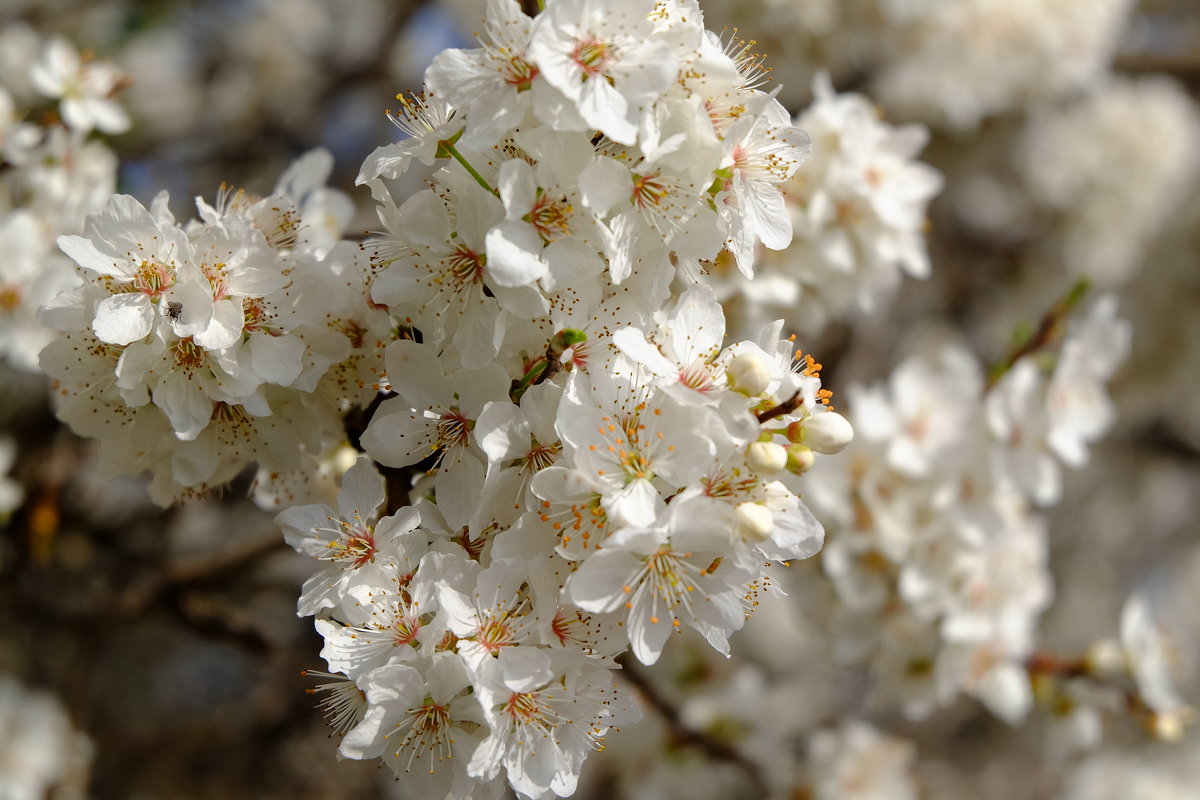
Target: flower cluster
(193,350)
(857,762)
(952,65)
(858,213)
(1111,189)
(956,64)
(598,468)
(939,560)
(536,451)
(52,173)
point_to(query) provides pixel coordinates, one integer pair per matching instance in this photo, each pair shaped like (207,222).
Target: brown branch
(1185,64)
(786,407)
(1055,666)
(1047,329)
(553,364)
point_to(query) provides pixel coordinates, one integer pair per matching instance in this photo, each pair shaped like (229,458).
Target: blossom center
(664,569)
(728,485)
(217,280)
(472,546)
(453,429)
(540,456)
(426,730)
(405,630)
(636,464)
(666,577)
(152,279)
(282,227)
(254,317)
(698,376)
(848,214)
(234,415)
(550,216)
(188,354)
(519,73)
(524,707)
(570,626)
(353,331)
(495,634)
(465,266)
(420,115)
(357,545)
(592,56)
(648,190)
(10,298)
(587,520)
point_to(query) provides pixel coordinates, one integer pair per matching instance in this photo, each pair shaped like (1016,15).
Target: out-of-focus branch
(218,619)
(1167,725)
(140,596)
(684,735)
(1167,40)
(1047,329)
(1183,65)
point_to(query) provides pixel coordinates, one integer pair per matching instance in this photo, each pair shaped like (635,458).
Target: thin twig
(786,407)
(1047,330)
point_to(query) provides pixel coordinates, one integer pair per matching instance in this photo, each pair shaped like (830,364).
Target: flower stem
(447,147)
(546,366)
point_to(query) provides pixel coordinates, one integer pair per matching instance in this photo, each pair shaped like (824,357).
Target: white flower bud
(748,373)
(1105,658)
(1166,726)
(754,522)
(800,459)
(827,433)
(766,458)
(343,459)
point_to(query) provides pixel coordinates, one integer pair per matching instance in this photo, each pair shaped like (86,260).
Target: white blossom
(84,88)
(40,751)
